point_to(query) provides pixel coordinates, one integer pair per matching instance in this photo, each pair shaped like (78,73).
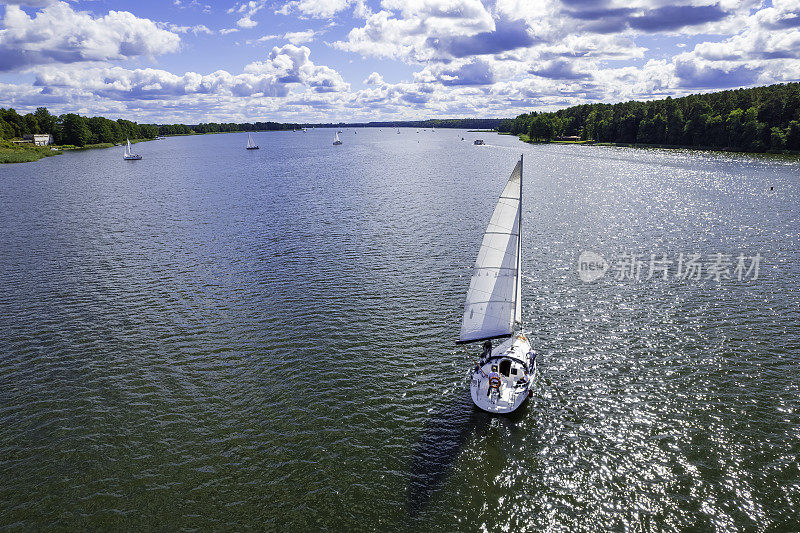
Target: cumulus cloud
(246,12)
(374,79)
(676,16)
(276,76)
(294,37)
(300,37)
(292,64)
(315,8)
(559,70)
(645,16)
(506,35)
(767,50)
(194,30)
(420,30)
(205,8)
(476,72)
(58,34)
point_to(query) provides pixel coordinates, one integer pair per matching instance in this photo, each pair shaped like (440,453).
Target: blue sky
(353,60)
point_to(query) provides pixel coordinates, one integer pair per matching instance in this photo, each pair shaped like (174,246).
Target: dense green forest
(755,120)
(72,129)
(213,127)
(462,123)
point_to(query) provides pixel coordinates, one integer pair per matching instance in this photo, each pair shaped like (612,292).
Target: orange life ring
(494,383)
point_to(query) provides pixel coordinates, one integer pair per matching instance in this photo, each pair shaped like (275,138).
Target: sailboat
(336,139)
(250,144)
(502,379)
(129,155)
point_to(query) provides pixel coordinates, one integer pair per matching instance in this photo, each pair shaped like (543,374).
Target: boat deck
(515,377)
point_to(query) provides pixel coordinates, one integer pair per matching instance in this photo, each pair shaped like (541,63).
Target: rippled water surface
(220,339)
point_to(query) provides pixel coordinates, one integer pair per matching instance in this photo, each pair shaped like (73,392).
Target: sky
(190,61)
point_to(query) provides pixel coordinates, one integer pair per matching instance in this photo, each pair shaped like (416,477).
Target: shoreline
(11,154)
(524,138)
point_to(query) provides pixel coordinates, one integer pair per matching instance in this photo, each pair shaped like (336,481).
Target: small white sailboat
(336,139)
(398,131)
(250,144)
(502,379)
(129,155)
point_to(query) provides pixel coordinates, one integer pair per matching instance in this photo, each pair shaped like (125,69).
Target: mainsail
(250,143)
(494,300)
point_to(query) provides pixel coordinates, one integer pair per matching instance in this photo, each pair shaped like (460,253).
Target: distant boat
(250,144)
(128,155)
(398,131)
(478,142)
(336,139)
(502,380)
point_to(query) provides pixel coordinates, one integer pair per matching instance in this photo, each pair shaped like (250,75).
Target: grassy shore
(15,153)
(12,153)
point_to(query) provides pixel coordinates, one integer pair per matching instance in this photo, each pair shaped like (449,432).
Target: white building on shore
(39,139)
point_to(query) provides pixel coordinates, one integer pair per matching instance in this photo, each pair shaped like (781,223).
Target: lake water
(214,338)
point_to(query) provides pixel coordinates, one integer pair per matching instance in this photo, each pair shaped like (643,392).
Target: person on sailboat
(487,350)
(523,380)
(494,381)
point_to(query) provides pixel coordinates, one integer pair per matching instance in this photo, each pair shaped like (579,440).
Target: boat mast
(518,285)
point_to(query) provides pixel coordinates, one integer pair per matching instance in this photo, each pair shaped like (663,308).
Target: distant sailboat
(398,131)
(502,380)
(336,139)
(129,155)
(250,144)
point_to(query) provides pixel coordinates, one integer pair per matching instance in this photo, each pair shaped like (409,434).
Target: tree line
(759,119)
(73,129)
(461,123)
(213,127)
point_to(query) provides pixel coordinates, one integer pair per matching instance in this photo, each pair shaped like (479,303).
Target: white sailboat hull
(516,364)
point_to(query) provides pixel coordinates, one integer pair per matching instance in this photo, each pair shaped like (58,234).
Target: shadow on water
(444,436)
